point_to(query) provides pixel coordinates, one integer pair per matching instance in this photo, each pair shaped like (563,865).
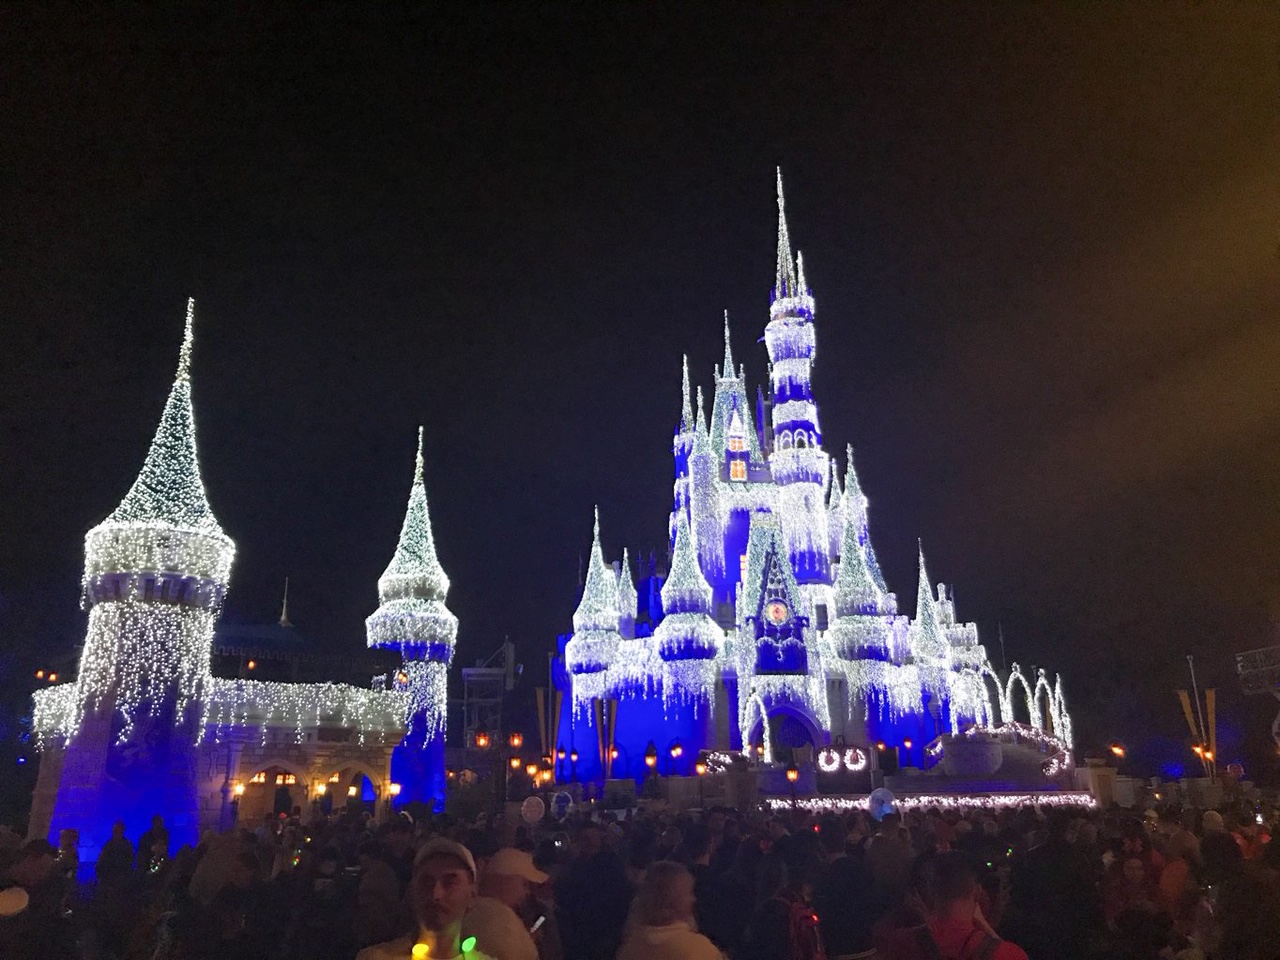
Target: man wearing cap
(509,878)
(442,888)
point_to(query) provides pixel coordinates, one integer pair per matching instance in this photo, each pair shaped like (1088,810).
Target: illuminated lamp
(700,768)
(793,773)
(53,678)
(1117,748)
(907,743)
(516,740)
(39,674)
(531,769)
(352,791)
(253,664)
(482,738)
(238,789)
(676,750)
(321,789)
(515,762)
(573,755)
(651,755)
(393,789)
(560,753)
(613,752)
(333,778)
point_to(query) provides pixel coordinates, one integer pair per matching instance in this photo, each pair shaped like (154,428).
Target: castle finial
(785,281)
(417,463)
(802,285)
(728,371)
(188,335)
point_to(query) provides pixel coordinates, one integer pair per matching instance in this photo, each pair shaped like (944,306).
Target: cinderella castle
(148,726)
(774,627)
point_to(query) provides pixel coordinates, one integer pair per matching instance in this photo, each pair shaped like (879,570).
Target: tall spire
(785,281)
(284,606)
(627,598)
(598,609)
(169,489)
(701,437)
(728,371)
(415,569)
(857,593)
(930,643)
(802,285)
(686,589)
(686,410)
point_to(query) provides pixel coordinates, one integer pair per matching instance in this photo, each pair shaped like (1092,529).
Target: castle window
(784,440)
(737,470)
(737,444)
(800,440)
(742,568)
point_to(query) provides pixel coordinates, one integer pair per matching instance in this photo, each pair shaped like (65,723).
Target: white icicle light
(596,641)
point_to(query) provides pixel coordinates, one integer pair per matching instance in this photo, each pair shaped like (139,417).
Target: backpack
(929,947)
(804,942)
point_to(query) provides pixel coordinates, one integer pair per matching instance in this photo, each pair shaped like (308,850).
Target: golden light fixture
(238,789)
(515,762)
(516,740)
(700,768)
(352,791)
(793,774)
(482,738)
(531,769)
(321,789)
(393,789)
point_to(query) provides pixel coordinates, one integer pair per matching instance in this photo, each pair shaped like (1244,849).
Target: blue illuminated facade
(775,620)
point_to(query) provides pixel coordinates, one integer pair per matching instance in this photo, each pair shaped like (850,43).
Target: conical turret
(595,640)
(928,641)
(628,600)
(688,639)
(156,572)
(727,368)
(412,616)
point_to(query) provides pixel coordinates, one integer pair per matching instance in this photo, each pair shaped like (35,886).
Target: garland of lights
(941,801)
(237,704)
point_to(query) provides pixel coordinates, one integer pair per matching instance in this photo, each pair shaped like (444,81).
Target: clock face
(776,611)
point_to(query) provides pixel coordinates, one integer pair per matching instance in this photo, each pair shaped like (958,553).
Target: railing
(1259,670)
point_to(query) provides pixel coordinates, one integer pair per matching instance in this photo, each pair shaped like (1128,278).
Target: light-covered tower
(596,640)
(798,462)
(681,448)
(156,572)
(412,619)
(688,639)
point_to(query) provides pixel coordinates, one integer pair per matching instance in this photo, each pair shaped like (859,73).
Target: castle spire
(686,589)
(415,569)
(930,643)
(169,490)
(686,410)
(785,280)
(701,436)
(857,593)
(728,371)
(802,285)
(284,606)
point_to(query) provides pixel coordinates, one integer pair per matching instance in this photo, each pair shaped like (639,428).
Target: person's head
(665,896)
(443,885)
(590,840)
(715,822)
(697,843)
(510,876)
(832,835)
(396,836)
(157,822)
(771,877)
(952,889)
(117,830)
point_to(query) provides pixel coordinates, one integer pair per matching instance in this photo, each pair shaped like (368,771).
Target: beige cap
(510,862)
(441,847)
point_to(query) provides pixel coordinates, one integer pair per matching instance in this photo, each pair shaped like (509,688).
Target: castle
(147,728)
(775,622)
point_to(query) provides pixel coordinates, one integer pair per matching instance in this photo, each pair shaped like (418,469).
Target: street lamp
(394,789)
(532,770)
(651,756)
(700,768)
(1117,748)
(516,740)
(482,738)
(515,762)
(793,773)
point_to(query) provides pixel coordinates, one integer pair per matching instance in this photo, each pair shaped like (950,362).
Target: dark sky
(1043,242)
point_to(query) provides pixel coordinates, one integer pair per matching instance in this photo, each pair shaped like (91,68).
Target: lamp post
(793,775)
(573,765)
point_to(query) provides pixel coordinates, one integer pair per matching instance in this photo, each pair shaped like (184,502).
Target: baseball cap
(13,901)
(440,847)
(511,862)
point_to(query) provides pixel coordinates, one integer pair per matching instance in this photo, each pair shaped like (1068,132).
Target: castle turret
(681,447)
(799,465)
(156,572)
(688,639)
(413,620)
(596,641)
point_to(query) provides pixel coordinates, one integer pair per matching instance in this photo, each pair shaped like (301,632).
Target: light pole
(793,775)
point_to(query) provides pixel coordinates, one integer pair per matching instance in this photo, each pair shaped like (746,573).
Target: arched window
(801,440)
(784,440)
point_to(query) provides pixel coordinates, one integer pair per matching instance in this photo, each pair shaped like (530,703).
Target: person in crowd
(716,909)
(441,888)
(663,920)
(593,897)
(845,913)
(506,882)
(784,925)
(153,845)
(953,928)
(889,858)
(379,916)
(511,878)
(1053,871)
(115,860)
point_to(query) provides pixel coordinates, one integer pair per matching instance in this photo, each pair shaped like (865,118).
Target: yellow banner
(540,695)
(1191,719)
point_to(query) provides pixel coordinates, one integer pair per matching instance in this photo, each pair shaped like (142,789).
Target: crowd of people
(1169,884)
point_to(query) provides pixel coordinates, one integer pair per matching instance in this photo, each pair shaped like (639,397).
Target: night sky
(1043,241)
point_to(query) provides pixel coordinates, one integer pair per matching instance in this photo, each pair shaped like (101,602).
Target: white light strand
(941,801)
